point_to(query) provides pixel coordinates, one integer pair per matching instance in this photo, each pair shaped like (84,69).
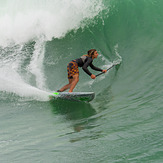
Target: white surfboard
(73,96)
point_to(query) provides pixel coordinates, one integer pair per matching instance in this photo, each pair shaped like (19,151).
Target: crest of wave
(25,20)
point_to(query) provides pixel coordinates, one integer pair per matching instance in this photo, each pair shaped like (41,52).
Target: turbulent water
(124,121)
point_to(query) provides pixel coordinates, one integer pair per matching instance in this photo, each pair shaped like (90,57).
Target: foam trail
(11,82)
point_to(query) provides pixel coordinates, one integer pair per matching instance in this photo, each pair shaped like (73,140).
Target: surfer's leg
(73,76)
(74,82)
(67,86)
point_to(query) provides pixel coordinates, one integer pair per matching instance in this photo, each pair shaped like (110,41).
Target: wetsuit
(84,62)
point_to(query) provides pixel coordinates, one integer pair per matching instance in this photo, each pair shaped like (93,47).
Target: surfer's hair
(91,52)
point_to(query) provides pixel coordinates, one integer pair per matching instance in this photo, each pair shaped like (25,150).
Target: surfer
(73,71)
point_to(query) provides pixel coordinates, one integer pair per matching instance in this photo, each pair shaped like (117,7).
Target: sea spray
(36,64)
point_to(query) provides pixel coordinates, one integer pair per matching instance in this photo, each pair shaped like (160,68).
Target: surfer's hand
(104,71)
(93,76)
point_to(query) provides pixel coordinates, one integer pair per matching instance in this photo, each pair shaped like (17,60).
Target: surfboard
(73,96)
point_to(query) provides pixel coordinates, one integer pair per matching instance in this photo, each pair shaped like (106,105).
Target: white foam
(21,21)
(10,81)
(36,64)
(15,76)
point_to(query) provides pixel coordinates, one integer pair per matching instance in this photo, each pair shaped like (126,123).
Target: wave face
(39,38)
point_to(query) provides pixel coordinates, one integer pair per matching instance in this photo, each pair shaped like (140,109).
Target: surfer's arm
(95,68)
(86,64)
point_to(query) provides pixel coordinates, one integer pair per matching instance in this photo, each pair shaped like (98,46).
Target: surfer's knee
(76,78)
(70,81)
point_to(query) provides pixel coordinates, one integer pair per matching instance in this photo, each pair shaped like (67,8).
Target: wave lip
(29,20)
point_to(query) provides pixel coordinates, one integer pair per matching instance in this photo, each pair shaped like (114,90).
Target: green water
(123,123)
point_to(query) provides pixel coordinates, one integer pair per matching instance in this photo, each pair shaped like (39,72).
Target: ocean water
(123,123)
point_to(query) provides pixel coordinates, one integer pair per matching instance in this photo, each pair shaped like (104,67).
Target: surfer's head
(92,53)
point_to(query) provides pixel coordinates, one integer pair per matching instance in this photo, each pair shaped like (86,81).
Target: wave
(37,42)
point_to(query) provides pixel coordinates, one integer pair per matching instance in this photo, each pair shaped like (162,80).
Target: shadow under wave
(72,110)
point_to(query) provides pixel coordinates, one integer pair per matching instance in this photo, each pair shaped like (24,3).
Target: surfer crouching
(73,71)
